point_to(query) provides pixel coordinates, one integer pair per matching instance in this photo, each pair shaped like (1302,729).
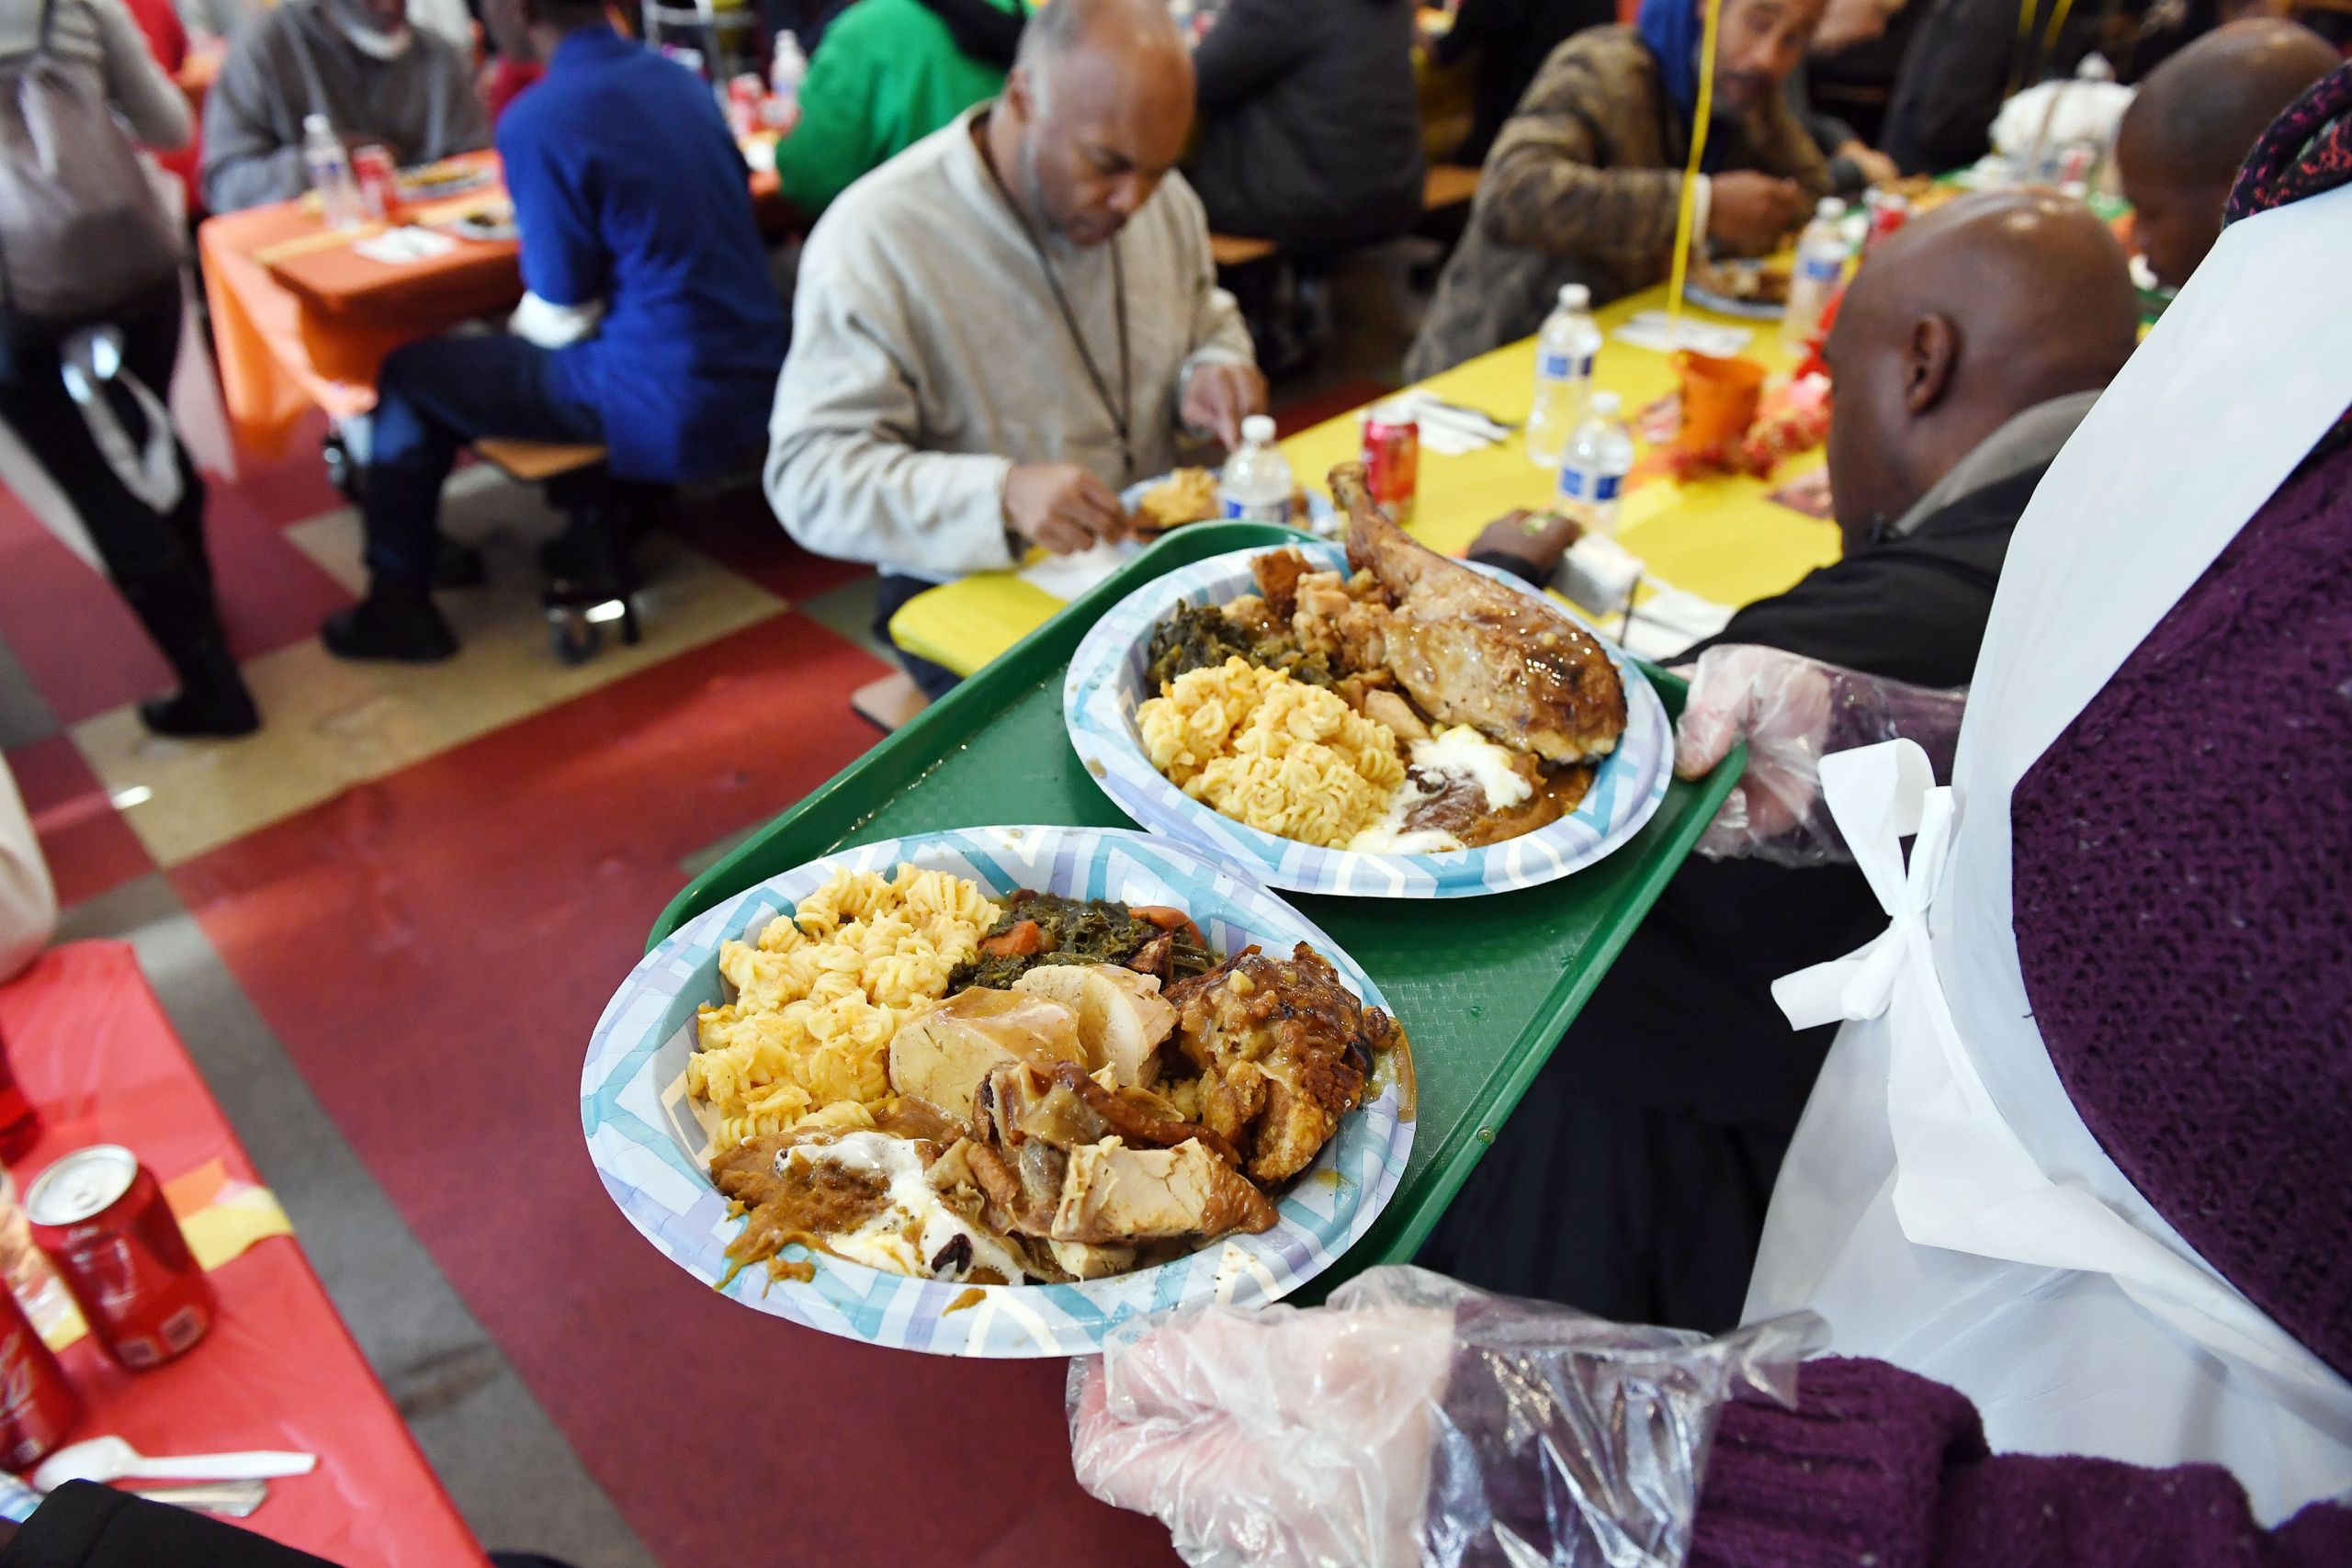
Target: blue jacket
(627,188)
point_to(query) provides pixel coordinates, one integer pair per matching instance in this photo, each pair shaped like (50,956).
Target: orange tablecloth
(300,320)
(93,1050)
(296,325)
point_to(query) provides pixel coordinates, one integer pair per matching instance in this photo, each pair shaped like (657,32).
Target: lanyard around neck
(1120,410)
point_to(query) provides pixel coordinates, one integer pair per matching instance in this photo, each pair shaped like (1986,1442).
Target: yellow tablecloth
(1723,539)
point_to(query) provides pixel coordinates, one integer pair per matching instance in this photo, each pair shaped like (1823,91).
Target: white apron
(1942,1204)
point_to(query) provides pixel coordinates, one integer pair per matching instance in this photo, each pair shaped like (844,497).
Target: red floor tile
(85,651)
(89,847)
(737,530)
(434,948)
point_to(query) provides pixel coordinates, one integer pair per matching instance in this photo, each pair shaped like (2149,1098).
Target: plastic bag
(1415,1420)
(1792,711)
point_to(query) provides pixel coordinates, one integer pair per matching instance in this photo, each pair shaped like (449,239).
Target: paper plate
(654,1156)
(1106,683)
(1321,517)
(1731,305)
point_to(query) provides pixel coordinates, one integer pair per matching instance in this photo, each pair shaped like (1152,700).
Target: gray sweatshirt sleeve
(150,101)
(248,160)
(844,474)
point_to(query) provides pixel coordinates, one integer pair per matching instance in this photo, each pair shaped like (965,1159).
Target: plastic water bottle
(1562,376)
(331,177)
(788,68)
(1593,473)
(1821,263)
(1256,485)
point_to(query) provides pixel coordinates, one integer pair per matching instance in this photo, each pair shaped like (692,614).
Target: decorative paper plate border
(654,1156)
(1106,683)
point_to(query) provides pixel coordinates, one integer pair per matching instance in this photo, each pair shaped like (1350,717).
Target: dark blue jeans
(433,398)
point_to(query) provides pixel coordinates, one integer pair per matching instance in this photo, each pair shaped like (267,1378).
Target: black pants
(156,559)
(434,397)
(934,681)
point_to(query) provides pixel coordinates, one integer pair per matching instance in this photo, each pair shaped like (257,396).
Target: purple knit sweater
(2182,865)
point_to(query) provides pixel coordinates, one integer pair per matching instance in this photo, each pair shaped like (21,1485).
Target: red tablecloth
(93,1049)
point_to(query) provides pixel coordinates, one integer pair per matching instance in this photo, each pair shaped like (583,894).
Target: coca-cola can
(102,1220)
(745,93)
(378,179)
(19,1122)
(37,1404)
(1392,458)
(1889,211)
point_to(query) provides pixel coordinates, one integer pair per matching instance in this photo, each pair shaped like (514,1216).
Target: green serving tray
(1484,986)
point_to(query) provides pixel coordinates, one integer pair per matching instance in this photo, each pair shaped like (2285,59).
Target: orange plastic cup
(1719,399)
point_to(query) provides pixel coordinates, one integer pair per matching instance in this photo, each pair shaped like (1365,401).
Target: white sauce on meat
(914,1210)
(1462,752)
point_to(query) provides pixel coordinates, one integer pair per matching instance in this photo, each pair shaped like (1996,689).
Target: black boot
(397,621)
(212,701)
(457,565)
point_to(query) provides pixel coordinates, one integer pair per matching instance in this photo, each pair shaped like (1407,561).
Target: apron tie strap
(1879,795)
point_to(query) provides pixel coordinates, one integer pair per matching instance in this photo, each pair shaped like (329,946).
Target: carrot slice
(1025,940)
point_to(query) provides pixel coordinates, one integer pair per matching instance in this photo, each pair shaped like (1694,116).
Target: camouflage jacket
(1583,186)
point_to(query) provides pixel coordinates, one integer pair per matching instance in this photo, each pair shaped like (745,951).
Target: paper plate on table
(653,1154)
(1106,683)
(1729,305)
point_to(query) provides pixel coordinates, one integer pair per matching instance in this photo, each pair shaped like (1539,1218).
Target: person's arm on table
(1253,44)
(150,103)
(246,161)
(1218,385)
(28,899)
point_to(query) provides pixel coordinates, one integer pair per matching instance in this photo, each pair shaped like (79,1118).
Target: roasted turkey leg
(1473,651)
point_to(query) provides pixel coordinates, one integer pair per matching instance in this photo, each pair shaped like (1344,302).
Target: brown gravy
(805,1203)
(1460,805)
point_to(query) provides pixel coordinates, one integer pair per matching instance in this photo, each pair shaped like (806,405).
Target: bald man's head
(1095,113)
(1962,320)
(2192,123)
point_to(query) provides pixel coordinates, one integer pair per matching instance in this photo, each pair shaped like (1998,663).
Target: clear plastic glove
(1415,1421)
(1791,711)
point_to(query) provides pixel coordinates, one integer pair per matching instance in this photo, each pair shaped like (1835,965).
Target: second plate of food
(991,1091)
(1420,730)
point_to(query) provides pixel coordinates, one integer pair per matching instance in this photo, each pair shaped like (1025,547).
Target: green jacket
(885,76)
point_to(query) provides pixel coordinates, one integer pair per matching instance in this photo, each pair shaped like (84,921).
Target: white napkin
(1067,577)
(397,247)
(1652,329)
(1452,429)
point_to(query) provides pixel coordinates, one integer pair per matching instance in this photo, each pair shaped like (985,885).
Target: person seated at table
(890,72)
(2196,117)
(1585,183)
(658,329)
(27,897)
(999,328)
(1311,123)
(1631,1181)
(358,63)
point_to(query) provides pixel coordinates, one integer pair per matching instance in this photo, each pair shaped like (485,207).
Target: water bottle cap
(1830,210)
(1606,403)
(316,124)
(1575,296)
(1257,430)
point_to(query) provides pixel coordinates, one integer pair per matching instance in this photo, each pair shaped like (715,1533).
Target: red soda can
(1889,211)
(37,1404)
(19,1122)
(744,94)
(378,179)
(1392,458)
(102,1220)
